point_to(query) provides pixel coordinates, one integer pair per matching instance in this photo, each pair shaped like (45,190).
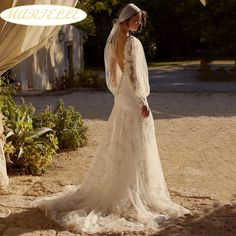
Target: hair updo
(144,16)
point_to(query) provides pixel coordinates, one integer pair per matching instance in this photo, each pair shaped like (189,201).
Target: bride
(124,189)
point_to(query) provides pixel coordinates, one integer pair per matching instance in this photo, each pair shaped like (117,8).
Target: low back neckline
(124,55)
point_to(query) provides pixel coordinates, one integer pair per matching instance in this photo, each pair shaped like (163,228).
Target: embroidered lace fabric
(124,188)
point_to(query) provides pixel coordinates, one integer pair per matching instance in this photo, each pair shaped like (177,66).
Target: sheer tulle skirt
(124,188)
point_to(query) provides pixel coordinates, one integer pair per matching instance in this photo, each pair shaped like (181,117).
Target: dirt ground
(196,138)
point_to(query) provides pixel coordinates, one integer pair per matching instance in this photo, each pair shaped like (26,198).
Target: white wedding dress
(124,189)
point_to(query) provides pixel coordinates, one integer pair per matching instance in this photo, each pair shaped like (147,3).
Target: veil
(111,45)
(128,11)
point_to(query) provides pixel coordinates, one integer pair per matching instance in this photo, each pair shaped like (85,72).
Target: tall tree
(175,29)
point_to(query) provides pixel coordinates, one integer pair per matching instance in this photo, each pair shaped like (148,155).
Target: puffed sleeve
(110,69)
(139,72)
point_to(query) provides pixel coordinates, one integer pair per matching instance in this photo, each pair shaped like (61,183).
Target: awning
(17,42)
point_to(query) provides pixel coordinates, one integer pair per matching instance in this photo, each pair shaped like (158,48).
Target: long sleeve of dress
(110,70)
(139,72)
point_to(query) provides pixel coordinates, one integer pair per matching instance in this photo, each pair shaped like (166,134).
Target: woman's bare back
(120,53)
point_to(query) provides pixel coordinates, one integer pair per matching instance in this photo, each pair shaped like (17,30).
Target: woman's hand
(145,111)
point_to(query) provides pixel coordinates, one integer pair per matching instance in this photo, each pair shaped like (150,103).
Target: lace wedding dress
(124,188)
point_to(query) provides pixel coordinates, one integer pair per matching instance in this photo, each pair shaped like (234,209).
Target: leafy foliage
(67,123)
(37,152)
(27,149)
(32,139)
(89,79)
(87,25)
(175,29)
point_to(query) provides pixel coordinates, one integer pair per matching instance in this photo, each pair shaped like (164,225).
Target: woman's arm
(110,70)
(139,75)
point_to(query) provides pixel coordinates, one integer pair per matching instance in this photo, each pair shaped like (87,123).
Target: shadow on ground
(221,222)
(26,221)
(98,105)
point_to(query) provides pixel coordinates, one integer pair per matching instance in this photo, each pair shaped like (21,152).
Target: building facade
(44,69)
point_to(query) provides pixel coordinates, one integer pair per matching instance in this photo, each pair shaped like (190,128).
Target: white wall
(38,71)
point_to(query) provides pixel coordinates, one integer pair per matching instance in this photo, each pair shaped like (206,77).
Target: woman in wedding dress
(124,189)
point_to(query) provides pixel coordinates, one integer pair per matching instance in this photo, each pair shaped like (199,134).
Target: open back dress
(124,188)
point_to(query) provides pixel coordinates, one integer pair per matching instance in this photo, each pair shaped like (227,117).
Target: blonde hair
(144,15)
(124,15)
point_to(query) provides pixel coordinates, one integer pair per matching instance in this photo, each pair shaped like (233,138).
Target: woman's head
(131,17)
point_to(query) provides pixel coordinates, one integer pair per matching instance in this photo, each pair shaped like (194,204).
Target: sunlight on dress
(124,189)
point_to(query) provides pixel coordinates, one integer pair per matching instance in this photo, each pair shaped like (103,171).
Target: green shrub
(32,139)
(88,78)
(27,149)
(37,153)
(67,123)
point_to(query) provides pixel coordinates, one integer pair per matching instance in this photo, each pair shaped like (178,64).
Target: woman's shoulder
(135,41)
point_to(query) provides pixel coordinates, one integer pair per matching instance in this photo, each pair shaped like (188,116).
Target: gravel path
(196,135)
